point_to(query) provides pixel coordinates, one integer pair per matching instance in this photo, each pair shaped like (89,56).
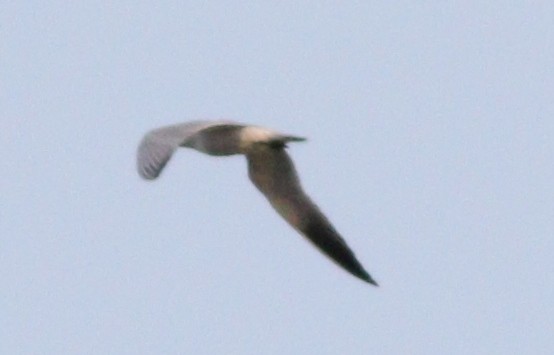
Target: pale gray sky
(430,148)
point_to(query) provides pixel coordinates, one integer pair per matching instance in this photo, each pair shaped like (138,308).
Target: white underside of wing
(157,146)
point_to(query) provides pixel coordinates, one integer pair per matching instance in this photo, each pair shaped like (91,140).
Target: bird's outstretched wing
(273,173)
(157,146)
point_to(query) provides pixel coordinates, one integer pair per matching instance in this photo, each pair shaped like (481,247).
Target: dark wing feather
(273,173)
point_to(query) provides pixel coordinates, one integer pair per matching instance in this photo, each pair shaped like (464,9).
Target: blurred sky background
(430,148)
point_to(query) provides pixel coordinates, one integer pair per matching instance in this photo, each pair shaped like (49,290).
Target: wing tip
(367,278)
(146,176)
(363,275)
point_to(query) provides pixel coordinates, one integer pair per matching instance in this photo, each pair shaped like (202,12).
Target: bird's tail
(293,139)
(281,141)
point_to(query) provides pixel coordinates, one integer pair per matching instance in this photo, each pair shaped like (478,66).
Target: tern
(270,168)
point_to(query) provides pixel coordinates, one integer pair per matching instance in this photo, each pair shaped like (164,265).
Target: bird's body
(269,168)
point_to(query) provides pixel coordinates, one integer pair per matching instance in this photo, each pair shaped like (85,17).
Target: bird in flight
(269,167)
